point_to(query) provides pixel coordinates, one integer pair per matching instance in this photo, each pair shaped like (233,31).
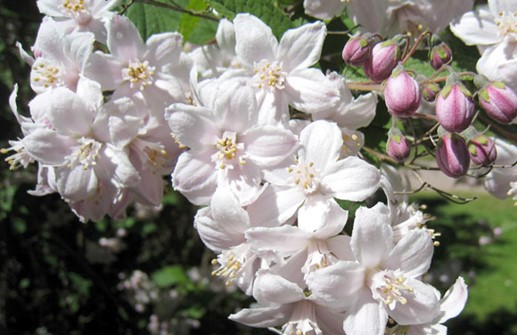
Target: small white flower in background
(502,182)
(493,29)
(80,15)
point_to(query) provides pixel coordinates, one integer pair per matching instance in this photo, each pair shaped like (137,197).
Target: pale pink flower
(227,147)
(79,15)
(383,281)
(280,71)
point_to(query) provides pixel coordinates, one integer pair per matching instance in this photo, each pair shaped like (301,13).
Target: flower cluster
(269,147)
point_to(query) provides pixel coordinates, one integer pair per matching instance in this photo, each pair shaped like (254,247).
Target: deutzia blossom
(315,177)
(280,71)
(502,182)
(60,58)
(493,29)
(383,281)
(156,72)
(80,15)
(226,146)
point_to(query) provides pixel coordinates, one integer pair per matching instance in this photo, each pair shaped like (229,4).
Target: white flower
(324,9)
(493,29)
(156,72)
(502,182)
(226,145)
(383,280)
(280,70)
(80,15)
(315,178)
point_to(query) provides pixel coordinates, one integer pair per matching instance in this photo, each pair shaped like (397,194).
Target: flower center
(304,175)
(302,320)
(269,75)
(231,262)
(20,156)
(391,287)
(85,154)
(507,23)
(351,144)
(228,151)
(138,73)
(319,256)
(45,75)
(74,5)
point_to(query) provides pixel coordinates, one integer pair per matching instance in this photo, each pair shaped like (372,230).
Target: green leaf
(170,275)
(263,9)
(153,19)
(195,29)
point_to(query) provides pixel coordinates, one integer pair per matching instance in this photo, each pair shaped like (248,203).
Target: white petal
(351,179)
(322,143)
(273,289)
(254,40)
(309,91)
(227,211)
(335,220)
(367,317)
(323,10)
(371,236)
(195,178)
(124,40)
(276,205)
(47,146)
(269,145)
(263,316)
(236,107)
(77,183)
(312,214)
(192,126)
(476,28)
(336,285)
(105,69)
(287,240)
(301,47)
(214,233)
(163,49)
(453,301)
(412,254)
(422,305)
(69,113)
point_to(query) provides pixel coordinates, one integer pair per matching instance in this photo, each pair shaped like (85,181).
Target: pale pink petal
(214,233)
(254,40)
(287,240)
(77,183)
(273,108)
(329,321)
(124,41)
(322,143)
(322,9)
(105,69)
(163,50)
(422,305)
(335,219)
(372,237)
(274,289)
(476,28)
(367,317)
(301,47)
(453,301)
(269,145)
(351,179)
(263,316)
(227,212)
(308,90)
(276,205)
(195,178)
(243,181)
(192,126)
(412,254)
(314,211)
(69,113)
(236,107)
(47,146)
(336,285)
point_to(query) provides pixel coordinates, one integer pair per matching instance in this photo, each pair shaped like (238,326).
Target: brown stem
(415,46)
(177,8)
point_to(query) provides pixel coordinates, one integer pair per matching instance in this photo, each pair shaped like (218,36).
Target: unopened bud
(452,155)
(482,150)
(429,91)
(499,102)
(440,55)
(454,107)
(402,93)
(383,59)
(357,50)
(398,147)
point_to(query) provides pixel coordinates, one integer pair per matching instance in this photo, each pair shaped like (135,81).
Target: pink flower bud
(440,55)
(482,150)
(454,107)
(429,91)
(499,101)
(402,93)
(383,59)
(357,50)
(398,147)
(452,155)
